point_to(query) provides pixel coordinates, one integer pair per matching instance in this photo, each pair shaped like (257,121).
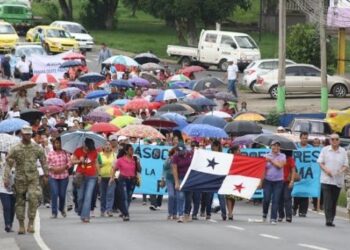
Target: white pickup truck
(216,48)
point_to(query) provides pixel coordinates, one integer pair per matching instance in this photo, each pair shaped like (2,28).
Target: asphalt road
(150,230)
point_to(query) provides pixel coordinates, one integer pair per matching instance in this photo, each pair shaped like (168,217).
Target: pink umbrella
(73,56)
(44,78)
(137,104)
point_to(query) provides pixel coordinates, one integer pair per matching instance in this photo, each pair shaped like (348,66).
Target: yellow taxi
(55,40)
(8,37)
(338,119)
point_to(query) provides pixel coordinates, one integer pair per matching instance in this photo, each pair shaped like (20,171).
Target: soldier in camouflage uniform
(23,158)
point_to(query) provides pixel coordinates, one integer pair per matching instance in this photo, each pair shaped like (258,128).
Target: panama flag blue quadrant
(207,171)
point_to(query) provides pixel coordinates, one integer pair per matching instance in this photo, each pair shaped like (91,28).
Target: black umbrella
(151,78)
(69,64)
(209,93)
(91,77)
(207,83)
(200,104)
(225,96)
(146,58)
(266,139)
(31,115)
(239,128)
(180,108)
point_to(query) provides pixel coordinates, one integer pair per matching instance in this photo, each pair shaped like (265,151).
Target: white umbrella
(124,60)
(73,140)
(220,114)
(7,142)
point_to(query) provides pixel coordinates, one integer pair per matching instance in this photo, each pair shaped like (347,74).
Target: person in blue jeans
(273,182)
(8,201)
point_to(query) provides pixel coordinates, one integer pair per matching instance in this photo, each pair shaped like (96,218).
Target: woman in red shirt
(128,165)
(86,158)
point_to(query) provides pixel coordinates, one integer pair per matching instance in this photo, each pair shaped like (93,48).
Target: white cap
(122,138)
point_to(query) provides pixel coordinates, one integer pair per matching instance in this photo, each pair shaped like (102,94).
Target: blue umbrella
(169,94)
(78,84)
(12,125)
(69,64)
(139,82)
(179,85)
(179,119)
(210,120)
(73,140)
(120,102)
(96,94)
(204,131)
(191,83)
(120,84)
(71,91)
(91,77)
(200,102)
(54,102)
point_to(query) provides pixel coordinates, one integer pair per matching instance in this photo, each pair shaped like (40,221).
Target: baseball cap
(122,138)
(274,142)
(27,130)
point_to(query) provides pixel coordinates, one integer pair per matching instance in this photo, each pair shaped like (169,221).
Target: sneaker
(264,218)
(302,215)
(169,217)
(194,217)
(64,214)
(153,208)
(109,214)
(230,218)
(54,216)
(224,217)
(92,214)
(202,215)
(69,208)
(126,218)
(85,220)
(330,224)
(47,205)
(289,220)
(187,218)
(280,219)
(208,217)
(273,222)
(180,219)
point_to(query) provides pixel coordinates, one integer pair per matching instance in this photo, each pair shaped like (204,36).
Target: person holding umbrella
(104,54)
(4,104)
(86,176)
(21,100)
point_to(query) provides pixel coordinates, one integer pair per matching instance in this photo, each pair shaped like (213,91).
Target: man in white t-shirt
(23,67)
(231,76)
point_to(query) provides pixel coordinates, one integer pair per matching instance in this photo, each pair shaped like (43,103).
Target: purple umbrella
(98,116)
(54,102)
(139,82)
(71,91)
(179,85)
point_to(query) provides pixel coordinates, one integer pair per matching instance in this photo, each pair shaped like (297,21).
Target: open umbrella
(180,120)
(6,83)
(221,114)
(194,95)
(210,120)
(51,109)
(266,139)
(180,108)
(137,104)
(204,131)
(225,96)
(239,128)
(73,56)
(152,92)
(7,142)
(209,93)
(248,116)
(92,77)
(123,60)
(78,84)
(81,103)
(12,125)
(73,140)
(179,85)
(139,82)
(151,67)
(30,115)
(140,131)
(69,64)
(153,80)
(96,94)
(98,116)
(103,127)
(23,85)
(187,71)
(160,122)
(120,84)
(71,91)
(44,78)
(245,139)
(200,102)
(208,82)
(120,102)
(177,78)
(169,94)
(54,102)
(146,58)
(112,110)
(122,121)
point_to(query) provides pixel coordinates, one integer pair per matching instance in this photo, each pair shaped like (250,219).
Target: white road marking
(312,246)
(213,221)
(270,236)
(37,235)
(255,220)
(237,228)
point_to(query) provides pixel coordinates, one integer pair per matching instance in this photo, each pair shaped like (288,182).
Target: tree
(188,14)
(133,5)
(67,9)
(303,45)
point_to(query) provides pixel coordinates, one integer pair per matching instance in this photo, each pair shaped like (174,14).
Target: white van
(216,48)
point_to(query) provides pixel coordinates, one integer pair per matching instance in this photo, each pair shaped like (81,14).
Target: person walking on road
(23,158)
(59,163)
(273,182)
(24,66)
(231,75)
(333,161)
(104,54)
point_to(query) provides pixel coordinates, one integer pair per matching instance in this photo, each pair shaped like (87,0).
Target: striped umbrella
(44,78)
(178,78)
(169,94)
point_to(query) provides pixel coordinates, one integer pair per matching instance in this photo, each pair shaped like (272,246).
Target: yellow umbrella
(122,121)
(249,116)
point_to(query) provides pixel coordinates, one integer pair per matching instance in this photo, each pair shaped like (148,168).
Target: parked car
(56,40)
(259,67)
(216,48)
(29,49)
(301,79)
(317,128)
(8,37)
(339,120)
(80,34)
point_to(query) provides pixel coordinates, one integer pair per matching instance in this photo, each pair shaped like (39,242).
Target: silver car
(301,79)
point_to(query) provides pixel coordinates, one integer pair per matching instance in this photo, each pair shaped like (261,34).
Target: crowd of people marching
(106,177)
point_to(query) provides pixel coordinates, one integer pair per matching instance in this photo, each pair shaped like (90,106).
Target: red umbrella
(73,56)
(6,83)
(155,105)
(104,127)
(137,104)
(44,78)
(187,71)
(51,109)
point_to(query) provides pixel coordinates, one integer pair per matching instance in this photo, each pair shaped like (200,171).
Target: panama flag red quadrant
(244,176)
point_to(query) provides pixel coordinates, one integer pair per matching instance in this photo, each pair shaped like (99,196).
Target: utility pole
(281,91)
(323,53)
